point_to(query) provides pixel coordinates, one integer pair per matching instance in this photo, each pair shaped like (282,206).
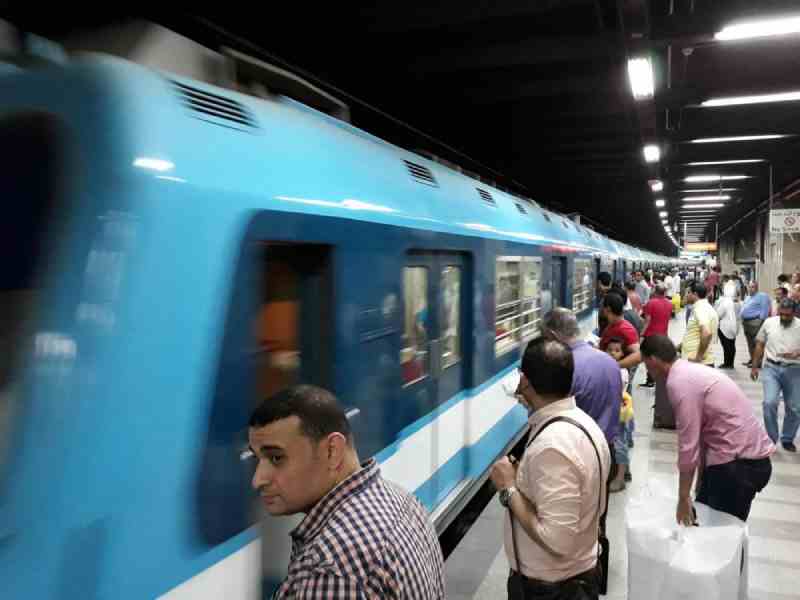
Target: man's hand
(684,514)
(503,473)
(754,373)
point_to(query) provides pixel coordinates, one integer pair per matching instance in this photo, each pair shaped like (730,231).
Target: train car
(175,251)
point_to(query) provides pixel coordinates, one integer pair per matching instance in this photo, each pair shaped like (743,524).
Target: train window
(518,303)
(414,351)
(582,285)
(450,318)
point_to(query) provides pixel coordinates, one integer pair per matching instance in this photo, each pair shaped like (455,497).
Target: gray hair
(562,321)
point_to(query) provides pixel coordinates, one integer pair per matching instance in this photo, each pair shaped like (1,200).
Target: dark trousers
(580,587)
(751,327)
(728,348)
(731,487)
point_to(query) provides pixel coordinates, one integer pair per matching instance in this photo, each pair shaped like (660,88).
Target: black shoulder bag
(575,587)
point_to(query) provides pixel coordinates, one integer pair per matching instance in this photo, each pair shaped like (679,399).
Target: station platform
(478,568)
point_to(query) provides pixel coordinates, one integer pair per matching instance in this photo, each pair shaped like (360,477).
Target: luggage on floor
(671,562)
(663,417)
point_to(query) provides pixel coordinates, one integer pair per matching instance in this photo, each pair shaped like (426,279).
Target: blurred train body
(174,251)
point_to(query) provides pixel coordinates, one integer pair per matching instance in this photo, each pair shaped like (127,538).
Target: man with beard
(778,342)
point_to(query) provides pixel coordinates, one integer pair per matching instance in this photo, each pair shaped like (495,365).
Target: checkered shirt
(366,539)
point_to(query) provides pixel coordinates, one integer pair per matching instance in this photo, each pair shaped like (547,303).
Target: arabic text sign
(784,220)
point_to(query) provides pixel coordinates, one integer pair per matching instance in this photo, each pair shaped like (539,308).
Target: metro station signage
(701,246)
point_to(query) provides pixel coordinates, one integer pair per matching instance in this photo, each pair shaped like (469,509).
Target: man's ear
(334,449)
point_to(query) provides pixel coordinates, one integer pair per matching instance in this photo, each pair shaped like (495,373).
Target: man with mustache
(362,537)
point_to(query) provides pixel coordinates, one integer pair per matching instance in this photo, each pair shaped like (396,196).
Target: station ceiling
(536,96)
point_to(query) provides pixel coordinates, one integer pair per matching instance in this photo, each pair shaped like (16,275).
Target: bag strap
(599,464)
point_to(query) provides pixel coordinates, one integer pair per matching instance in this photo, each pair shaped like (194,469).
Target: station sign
(701,246)
(784,220)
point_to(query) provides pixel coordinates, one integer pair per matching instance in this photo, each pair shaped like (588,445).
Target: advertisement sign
(784,220)
(701,246)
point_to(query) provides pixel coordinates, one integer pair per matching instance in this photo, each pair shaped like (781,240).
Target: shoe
(727,367)
(628,476)
(648,384)
(748,364)
(616,486)
(789,446)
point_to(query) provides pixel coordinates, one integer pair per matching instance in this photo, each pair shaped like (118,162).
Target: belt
(753,319)
(782,364)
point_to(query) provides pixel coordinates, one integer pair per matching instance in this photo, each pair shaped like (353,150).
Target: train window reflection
(582,284)
(414,347)
(450,304)
(517,301)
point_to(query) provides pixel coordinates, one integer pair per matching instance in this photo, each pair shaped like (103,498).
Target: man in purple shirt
(596,382)
(718,433)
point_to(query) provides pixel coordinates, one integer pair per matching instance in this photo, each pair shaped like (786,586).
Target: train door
(559,280)
(435,314)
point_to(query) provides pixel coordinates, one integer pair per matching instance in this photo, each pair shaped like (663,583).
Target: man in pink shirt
(718,433)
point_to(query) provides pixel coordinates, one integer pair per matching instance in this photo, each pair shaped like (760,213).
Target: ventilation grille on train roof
(215,109)
(486,197)
(521,208)
(421,173)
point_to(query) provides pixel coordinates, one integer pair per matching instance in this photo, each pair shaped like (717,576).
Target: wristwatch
(505,495)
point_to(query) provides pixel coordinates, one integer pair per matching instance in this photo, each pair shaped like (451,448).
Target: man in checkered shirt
(362,537)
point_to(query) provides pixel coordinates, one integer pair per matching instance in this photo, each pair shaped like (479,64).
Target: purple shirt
(597,387)
(713,416)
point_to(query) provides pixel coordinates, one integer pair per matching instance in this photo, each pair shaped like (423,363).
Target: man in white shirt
(779,342)
(556,493)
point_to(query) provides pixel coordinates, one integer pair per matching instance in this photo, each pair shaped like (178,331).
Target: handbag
(574,588)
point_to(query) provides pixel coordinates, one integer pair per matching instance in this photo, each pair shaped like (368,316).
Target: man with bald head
(755,311)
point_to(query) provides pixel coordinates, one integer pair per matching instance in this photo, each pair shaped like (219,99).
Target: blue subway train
(177,250)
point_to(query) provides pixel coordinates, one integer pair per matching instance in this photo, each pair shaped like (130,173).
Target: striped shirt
(366,539)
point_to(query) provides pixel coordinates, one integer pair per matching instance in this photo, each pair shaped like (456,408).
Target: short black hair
(783,278)
(787,303)
(659,346)
(616,340)
(614,303)
(318,410)
(604,277)
(699,288)
(629,285)
(782,291)
(548,365)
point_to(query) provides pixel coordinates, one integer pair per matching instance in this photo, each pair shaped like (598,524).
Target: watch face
(504,497)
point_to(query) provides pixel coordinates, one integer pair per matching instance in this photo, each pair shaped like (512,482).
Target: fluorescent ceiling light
(664,221)
(651,153)
(755,29)
(705,198)
(640,74)
(756,99)
(744,161)
(662,214)
(657,186)
(703,178)
(660,203)
(737,138)
(705,190)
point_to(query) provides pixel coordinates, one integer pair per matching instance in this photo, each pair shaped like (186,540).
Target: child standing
(624,441)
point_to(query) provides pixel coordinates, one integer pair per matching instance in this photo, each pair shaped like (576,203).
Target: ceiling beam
(531,51)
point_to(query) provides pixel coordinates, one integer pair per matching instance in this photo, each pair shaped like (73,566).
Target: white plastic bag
(667,561)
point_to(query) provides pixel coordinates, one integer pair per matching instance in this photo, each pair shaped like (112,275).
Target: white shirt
(728,311)
(779,339)
(675,290)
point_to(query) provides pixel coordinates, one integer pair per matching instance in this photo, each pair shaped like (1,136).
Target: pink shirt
(713,416)
(560,476)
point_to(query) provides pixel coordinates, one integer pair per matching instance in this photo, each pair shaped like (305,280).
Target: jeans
(622,443)
(776,379)
(731,487)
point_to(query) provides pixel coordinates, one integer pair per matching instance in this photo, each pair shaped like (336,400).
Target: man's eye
(276,459)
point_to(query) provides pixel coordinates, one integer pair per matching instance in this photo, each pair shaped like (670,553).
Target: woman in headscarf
(728,309)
